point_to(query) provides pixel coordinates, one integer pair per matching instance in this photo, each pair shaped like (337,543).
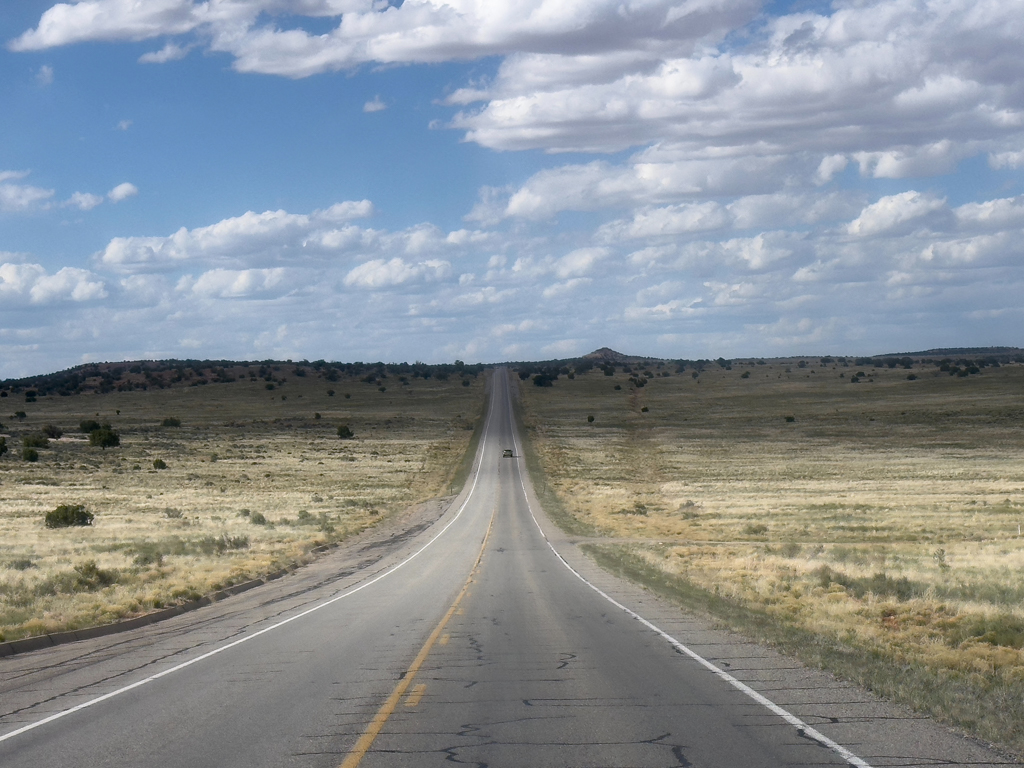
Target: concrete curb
(60,638)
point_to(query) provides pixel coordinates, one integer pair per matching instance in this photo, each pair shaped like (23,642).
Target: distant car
(507,453)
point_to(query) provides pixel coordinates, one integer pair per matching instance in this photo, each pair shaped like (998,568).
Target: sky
(498,180)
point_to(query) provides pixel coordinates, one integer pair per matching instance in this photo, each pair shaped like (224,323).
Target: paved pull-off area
(480,637)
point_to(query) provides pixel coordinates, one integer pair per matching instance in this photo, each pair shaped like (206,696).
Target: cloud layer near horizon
(725,186)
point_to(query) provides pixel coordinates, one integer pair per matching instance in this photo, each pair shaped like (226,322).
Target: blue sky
(509,179)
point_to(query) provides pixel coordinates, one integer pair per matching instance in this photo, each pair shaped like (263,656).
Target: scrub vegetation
(864,514)
(213,479)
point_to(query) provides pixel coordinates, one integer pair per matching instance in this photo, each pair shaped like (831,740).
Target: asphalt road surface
(470,641)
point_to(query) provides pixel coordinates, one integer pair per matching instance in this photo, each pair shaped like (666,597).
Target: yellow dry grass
(242,452)
(885,514)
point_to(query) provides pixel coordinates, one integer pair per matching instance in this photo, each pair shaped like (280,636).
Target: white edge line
(802,727)
(247,638)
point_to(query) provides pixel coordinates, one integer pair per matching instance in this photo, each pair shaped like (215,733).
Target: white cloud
(84,201)
(122,192)
(124,125)
(580,262)
(895,211)
(251,237)
(379,273)
(21,197)
(236,283)
(32,283)
(375,106)
(44,76)
(170,52)
(1007,159)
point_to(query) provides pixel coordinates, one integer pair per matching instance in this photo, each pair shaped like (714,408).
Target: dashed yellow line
(365,741)
(444,639)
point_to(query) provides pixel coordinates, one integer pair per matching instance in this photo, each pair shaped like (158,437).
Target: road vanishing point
(472,633)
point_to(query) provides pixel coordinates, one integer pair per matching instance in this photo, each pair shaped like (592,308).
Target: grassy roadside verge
(212,485)
(873,534)
(973,701)
(550,500)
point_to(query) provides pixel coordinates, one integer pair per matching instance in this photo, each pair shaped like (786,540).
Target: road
(472,642)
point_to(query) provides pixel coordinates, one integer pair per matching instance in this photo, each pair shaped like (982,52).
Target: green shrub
(159,464)
(590,419)
(258,518)
(37,440)
(104,437)
(345,432)
(88,426)
(29,454)
(69,515)
(3,445)
(170,421)
(52,432)
(790,419)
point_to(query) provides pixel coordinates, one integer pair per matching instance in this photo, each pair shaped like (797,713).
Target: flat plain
(253,477)
(872,527)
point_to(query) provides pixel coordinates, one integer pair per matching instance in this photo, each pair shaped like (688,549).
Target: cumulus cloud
(123,192)
(240,240)
(44,76)
(235,283)
(21,197)
(84,201)
(170,52)
(376,105)
(369,31)
(30,283)
(895,211)
(379,273)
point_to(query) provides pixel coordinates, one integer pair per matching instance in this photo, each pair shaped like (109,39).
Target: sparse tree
(345,432)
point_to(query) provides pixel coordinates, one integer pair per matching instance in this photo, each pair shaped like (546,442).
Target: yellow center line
(387,709)
(416,695)
(444,639)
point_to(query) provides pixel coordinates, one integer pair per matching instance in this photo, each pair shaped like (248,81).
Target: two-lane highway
(477,645)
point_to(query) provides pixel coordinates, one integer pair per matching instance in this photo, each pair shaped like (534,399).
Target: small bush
(104,437)
(345,432)
(316,416)
(790,419)
(159,464)
(52,432)
(88,426)
(645,409)
(590,419)
(38,440)
(170,421)
(258,518)
(745,375)
(172,514)
(330,393)
(69,515)
(29,454)
(755,529)
(3,445)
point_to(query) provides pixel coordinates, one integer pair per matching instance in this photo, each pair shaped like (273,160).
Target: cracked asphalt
(533,667)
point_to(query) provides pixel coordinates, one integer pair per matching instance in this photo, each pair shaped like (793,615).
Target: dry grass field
(255,476)
(873,527)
